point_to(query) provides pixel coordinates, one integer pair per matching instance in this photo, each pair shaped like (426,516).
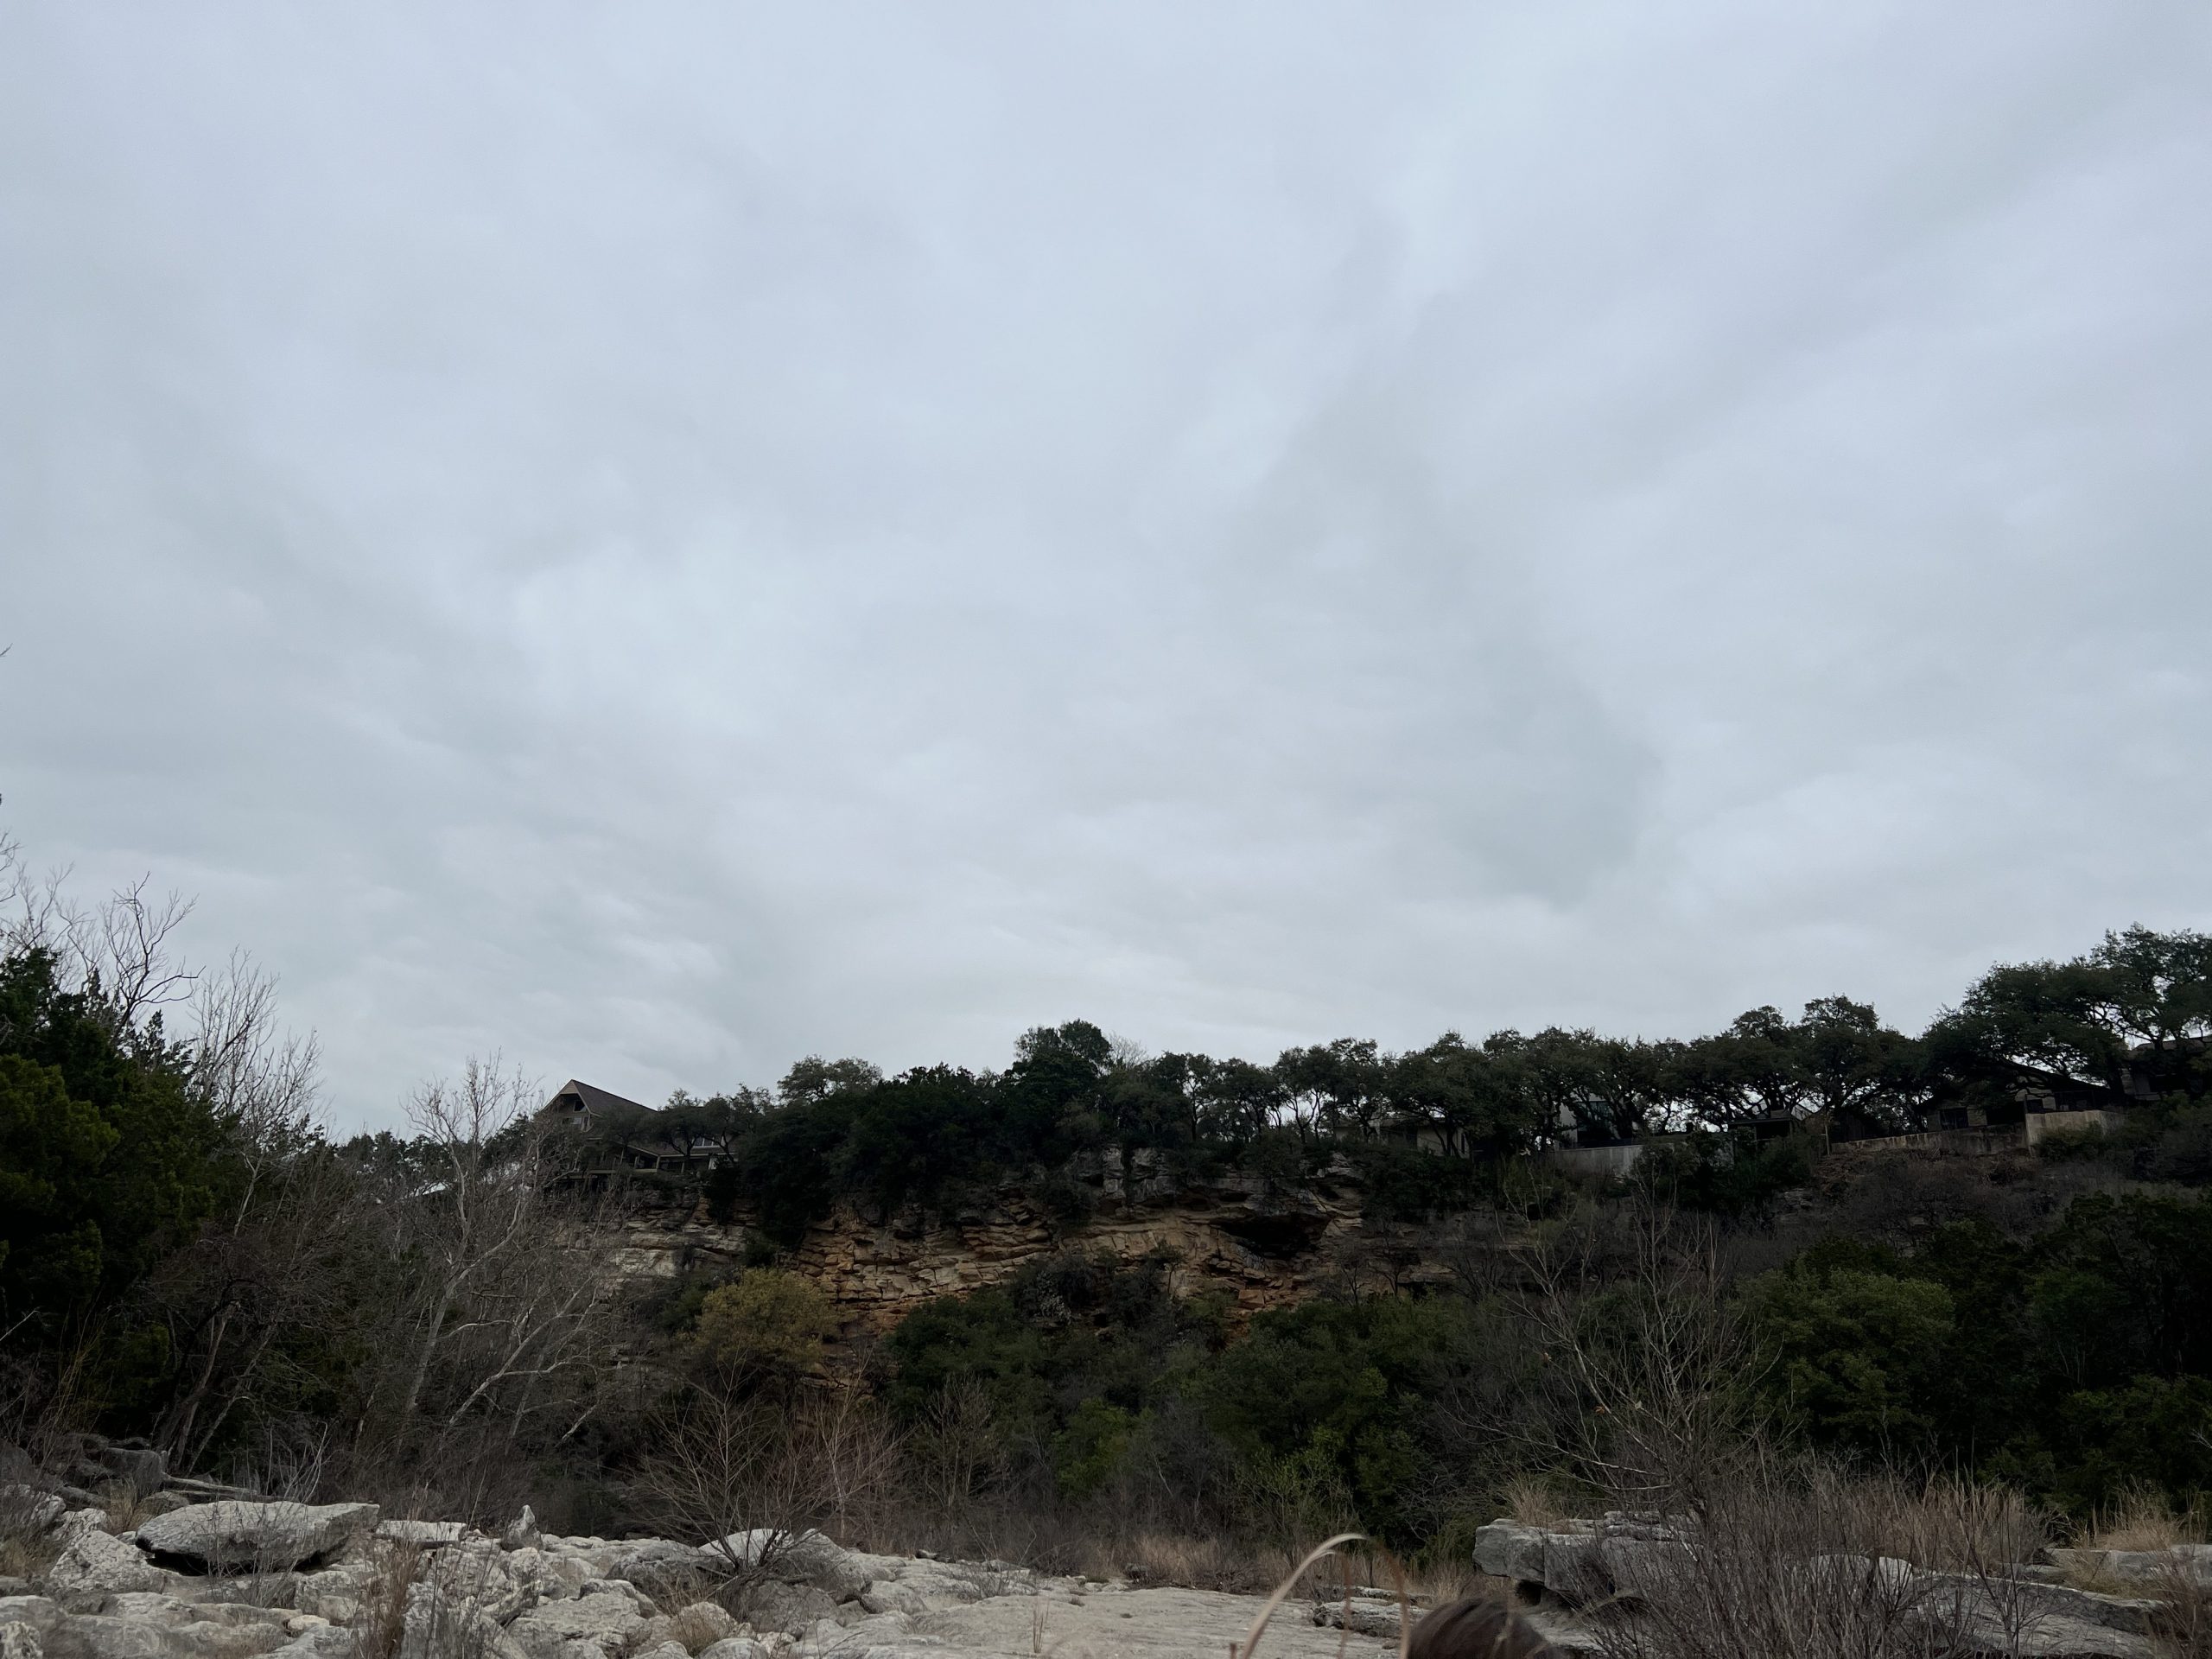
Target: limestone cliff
(1266,1246)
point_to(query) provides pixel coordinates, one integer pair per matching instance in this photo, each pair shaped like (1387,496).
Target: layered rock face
(1266,1246)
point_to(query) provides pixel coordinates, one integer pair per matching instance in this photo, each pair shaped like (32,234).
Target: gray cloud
(663,541)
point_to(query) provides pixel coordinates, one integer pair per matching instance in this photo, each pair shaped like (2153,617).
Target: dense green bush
(109,1161)
(2078,1363)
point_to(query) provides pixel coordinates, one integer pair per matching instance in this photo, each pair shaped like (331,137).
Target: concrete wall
(2040,1124)
(1611,1161)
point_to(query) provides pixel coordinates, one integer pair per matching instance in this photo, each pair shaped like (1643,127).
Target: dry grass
(2183,1629)
(126,1506)
(382,1627)
(1534,1502)
(24,1555)
(1211,1563)
(1437,1582)
(2143,1520)
(1949,1524)
(697,1627)
(27,1548)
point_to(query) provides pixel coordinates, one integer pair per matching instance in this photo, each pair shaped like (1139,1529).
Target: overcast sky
(661,540)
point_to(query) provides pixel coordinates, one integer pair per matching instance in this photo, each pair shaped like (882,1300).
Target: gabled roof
(595,1099)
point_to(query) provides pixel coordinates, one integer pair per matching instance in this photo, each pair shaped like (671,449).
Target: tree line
(2124,1025)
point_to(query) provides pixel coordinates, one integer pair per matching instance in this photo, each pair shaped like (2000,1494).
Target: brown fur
(1477,1629)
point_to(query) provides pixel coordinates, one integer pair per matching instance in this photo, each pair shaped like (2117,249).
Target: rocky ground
(1628,1568)
(180,1570)
(243,1577)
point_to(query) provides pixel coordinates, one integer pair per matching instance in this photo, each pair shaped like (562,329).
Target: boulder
(773,1605)
(1508,1549)
(671,1574)
(138,1467)
(20,1642)
(700,1624)
(439,1626)
(734,1647)
(501,1586)
(39,1612)
(93,1563)
(230,1536)
(665,1650)
(29,1510)
(603,1620)
(1362,1616)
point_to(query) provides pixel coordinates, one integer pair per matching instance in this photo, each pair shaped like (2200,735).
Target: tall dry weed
(381,1629)
(2145,1520)
(1534,1502)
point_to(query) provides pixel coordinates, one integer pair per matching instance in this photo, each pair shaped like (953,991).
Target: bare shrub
(1800,1564)
(857,1454)
(956,1445)
(735,1475)
(1634,1366)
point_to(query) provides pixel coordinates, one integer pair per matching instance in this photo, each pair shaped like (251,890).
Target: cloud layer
(665,539)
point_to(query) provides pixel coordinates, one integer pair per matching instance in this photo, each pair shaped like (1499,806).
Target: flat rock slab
(232,1536)
(1111,1624)
(423,1534)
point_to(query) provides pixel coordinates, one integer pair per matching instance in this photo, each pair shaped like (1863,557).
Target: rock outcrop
(1615,1567)
(233,1536)
(1266,1246)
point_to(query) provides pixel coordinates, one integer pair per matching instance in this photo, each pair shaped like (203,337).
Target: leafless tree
(956,1443)
(1632,1368)
(121,948)
(733,1473)
(857,1452)
(504,1321)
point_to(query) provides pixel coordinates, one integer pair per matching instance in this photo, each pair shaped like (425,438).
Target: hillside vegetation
(187,1257)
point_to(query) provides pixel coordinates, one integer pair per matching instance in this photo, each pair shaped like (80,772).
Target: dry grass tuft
(696,1627)
(382,1628)
(1534,1502)
(27,1548)
(2144,1520)
(1199,1563)
(126,1504)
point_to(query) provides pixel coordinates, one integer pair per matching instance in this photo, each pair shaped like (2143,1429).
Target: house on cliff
(626,1134)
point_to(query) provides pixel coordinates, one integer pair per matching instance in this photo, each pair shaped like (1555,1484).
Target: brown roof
(594,1099)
